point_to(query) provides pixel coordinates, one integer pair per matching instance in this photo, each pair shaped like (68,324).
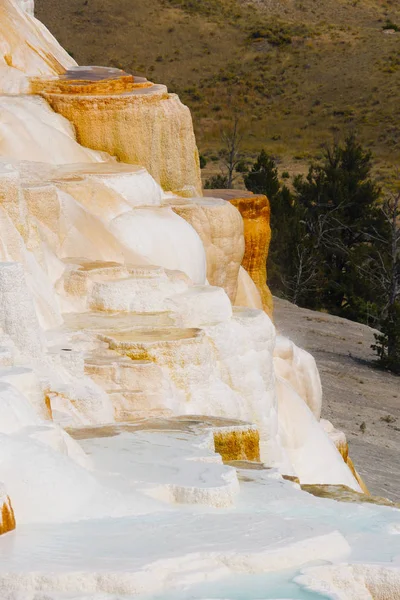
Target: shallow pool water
(271,586)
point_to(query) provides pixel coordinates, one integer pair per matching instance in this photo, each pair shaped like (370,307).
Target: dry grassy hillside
(299,71)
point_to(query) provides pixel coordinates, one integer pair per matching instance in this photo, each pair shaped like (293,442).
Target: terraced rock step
(233,440)
(99,112)
(118,321)
(89,80)
(112,368)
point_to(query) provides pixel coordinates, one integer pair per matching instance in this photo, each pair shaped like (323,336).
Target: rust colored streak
(7,517)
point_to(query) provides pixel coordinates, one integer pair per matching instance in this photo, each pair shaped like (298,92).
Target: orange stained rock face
(238,445)
(247,293)
(343,448)
(132,119)
(255,211)
(7,522)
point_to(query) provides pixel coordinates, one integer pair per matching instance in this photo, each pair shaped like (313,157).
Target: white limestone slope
(27,48)
(214,360)
(211,359)
(354,581)
(29,130)
(27,5)
(298,368)
(179,533)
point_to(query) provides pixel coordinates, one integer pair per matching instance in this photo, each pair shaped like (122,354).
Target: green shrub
(263,177)
(390,25)
(276,35)
(203,161)
(217,182)
(242,167)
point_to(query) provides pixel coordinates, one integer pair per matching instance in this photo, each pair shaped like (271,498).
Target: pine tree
(263,177)
(340,199)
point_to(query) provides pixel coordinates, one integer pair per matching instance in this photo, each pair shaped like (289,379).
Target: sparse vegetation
(231,151)
(217,182)
(390,25)
(388,419)
(298,77)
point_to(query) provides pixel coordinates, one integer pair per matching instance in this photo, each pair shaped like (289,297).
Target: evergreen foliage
(263,177)
(336,241)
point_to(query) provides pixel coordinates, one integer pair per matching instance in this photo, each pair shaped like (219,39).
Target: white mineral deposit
(155,432)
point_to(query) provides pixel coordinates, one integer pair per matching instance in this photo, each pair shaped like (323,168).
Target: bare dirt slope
(355,392)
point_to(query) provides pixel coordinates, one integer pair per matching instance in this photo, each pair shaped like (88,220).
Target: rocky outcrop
(220,228)
(255,211)
(118,301)
(132,119)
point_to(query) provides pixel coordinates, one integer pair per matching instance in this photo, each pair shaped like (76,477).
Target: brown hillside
(299,71)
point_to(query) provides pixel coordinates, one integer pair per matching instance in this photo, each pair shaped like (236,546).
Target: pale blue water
(263,586)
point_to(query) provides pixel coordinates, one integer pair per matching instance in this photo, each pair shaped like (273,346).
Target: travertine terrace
(255,212)
(154,429)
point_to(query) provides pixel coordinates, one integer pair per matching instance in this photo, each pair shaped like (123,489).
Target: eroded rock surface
(138,122)
(255,211)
